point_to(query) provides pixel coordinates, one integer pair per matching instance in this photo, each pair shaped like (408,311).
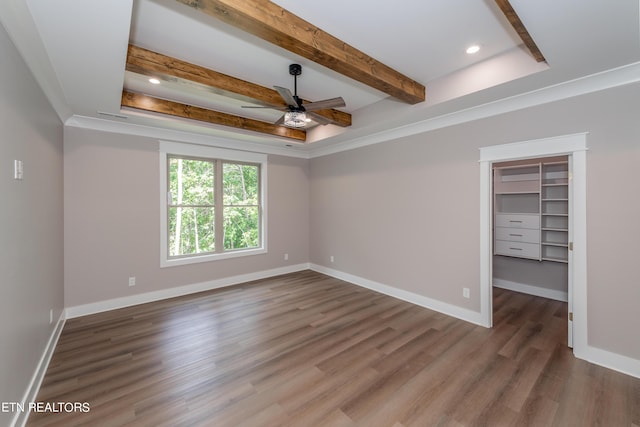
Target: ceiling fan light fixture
(295,119)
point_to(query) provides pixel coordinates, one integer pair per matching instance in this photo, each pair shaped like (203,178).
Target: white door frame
(576,146)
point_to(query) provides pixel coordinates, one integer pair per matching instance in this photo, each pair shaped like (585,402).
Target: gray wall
(112,219)
(405,213)
(31,246)
(541,274)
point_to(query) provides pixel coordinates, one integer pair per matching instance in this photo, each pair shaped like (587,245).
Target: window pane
(191,231)
(191,182)
(241,227)
(240,184)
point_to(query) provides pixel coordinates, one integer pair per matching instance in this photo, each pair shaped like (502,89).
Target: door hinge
(570,246)
(571,317)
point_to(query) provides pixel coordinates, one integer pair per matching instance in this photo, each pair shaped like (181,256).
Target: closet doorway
(572,148)
(531,224)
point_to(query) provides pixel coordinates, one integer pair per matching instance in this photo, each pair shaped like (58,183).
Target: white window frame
(168,148)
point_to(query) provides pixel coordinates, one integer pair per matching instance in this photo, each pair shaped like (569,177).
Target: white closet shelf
(555,259)
(517,192)
(562,245)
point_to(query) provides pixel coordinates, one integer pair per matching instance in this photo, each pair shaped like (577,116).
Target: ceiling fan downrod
(295,70)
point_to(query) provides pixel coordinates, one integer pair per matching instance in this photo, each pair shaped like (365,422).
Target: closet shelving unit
(531,211)
(555,211)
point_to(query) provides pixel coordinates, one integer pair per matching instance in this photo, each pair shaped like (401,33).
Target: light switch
(17,170)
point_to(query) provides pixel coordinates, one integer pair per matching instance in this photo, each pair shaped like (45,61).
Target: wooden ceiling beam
(153,64)
(276,25)
(517,25)
(148,103)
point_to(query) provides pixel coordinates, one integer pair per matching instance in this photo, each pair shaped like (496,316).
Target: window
(212,203)
(241,209)
(191,206)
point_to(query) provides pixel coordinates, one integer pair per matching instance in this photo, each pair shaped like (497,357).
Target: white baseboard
(435,305)
(531,290)
(113,304)
(608,359)
(30,394)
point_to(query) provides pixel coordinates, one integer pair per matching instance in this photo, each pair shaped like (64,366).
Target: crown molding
(624,75)
(181,136)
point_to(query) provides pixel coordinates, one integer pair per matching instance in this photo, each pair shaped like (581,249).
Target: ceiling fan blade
(273,108)
(327,103)
(286,95)
(318,118)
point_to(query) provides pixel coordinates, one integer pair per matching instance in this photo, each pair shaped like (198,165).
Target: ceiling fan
(297,114)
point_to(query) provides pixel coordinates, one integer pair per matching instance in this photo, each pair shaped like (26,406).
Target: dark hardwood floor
(309,350)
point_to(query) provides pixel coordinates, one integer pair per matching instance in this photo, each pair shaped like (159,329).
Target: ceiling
(78,53)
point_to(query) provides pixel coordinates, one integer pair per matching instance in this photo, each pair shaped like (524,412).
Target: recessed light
(473,49)
(154,81)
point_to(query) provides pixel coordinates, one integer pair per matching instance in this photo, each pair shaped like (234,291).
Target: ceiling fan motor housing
(295,69)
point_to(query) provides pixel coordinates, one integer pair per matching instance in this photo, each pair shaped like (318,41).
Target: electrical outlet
(51,316)
(331,258)
(286,257)
(132,281)
(466,292)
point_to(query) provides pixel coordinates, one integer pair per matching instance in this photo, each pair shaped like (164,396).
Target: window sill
(196,259)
